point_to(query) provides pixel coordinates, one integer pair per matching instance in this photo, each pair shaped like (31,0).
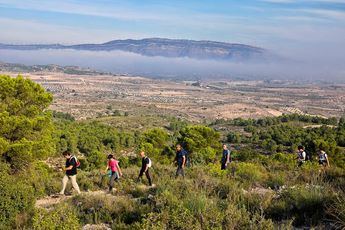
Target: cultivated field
(86,96)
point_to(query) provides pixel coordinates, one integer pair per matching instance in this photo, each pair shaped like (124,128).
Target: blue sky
(285,24)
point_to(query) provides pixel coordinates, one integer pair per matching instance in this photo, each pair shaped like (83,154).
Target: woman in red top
(113,165)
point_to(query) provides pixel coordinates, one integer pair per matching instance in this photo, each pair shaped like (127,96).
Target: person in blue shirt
(180,159)
(226,157)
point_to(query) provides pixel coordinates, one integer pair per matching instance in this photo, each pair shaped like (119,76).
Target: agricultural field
(91,96)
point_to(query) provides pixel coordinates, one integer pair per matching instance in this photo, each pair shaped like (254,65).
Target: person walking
(71,172)
(180,159)
(146,164)
(226,157)
(301,156)
(113,166)
(323,158)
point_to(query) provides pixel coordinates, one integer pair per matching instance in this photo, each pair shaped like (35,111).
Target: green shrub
(215,170)
(305,204)
(250,172)
(239,218)
(99,208)
(245,154)
(16,200)
(276,180)
(44,180)
(63,217)
(256,202)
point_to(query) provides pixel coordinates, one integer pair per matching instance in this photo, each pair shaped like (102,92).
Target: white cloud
(118,12)
(333,14)
(26,32)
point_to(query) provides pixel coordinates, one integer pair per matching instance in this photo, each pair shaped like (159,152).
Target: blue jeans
(114,177)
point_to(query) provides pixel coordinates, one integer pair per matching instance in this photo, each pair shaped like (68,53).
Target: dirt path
(50,201)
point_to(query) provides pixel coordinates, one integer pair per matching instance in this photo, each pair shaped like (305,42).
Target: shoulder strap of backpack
(75,158)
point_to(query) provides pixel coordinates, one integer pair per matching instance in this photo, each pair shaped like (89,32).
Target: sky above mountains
(256,22)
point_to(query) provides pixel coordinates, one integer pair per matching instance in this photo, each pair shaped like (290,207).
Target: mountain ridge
(163,47)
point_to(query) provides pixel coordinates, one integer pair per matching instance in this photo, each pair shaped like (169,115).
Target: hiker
(113,166)
(226,157)
(301,156)
(323,159)
(145,166)
(180,160)
(71,172)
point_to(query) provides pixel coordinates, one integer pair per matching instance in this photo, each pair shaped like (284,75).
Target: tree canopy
(25,123)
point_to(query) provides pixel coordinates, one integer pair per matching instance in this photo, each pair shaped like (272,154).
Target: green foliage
(261,189)
(62,217)
(176,125)
(201,141)
(251,172)
(63,116)
(16,200)
(234,137)
(25,124)
(306,204)
(93,139)
(105,209)
(42,179)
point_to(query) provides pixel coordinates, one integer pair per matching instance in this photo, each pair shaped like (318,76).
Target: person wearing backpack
(146,164)
(301,156)
(180,159)
(113,166)
(72,164)
(323,158)
(226,157)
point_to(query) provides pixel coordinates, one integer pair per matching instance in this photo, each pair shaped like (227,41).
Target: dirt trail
(50,201)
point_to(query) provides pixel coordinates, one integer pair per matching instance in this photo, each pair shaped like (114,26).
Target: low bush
(60,218)
(108,209)
(16,200)
(251,173)
(306,204)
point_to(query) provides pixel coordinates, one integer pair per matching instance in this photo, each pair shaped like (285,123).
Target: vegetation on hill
(261,189)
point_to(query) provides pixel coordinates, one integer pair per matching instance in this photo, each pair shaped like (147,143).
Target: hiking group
(182,160)
(302,157)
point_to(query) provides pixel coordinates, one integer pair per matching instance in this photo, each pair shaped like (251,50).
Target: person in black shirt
(71,172)
(145,165)
(226,158)
(180,159)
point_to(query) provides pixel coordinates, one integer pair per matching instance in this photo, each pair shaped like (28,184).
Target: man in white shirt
(301,156)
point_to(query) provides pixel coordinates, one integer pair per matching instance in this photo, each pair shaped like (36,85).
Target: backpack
(188,163)
(300,156)
(322,157)
(77,162)
(150,163)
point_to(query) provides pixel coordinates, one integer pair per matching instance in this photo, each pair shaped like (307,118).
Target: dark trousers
(179,171)
(223,167)
(300,163)
(148,176)
(114,177)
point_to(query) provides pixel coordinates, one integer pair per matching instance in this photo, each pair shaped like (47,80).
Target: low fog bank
(117,62)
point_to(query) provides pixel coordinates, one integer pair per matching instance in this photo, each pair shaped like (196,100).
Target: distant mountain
(165,48)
